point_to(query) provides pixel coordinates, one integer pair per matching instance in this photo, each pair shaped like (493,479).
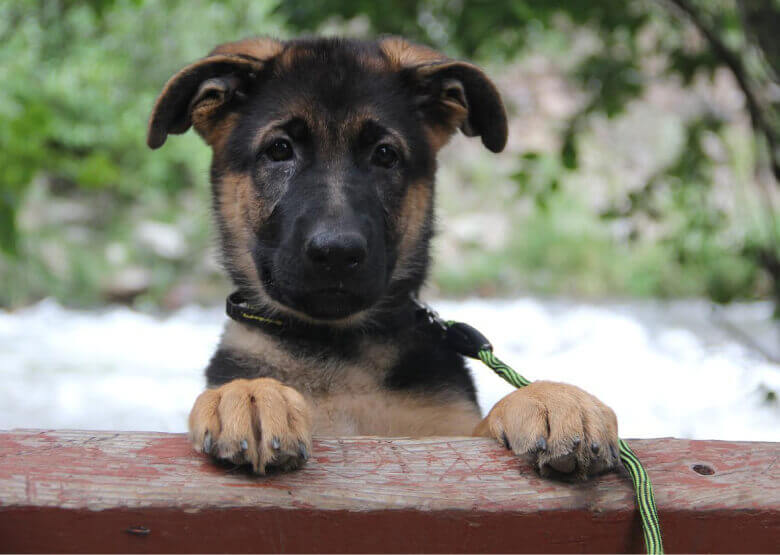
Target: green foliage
(565,249)
(473,28)
(79,79)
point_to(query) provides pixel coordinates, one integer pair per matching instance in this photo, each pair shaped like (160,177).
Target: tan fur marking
(215,134)
(292,55)
(372,62)
(354,124)
(402,53)
(365,374)
(414,211)
(261,48)
(440,135)
(236,202)
(296,108)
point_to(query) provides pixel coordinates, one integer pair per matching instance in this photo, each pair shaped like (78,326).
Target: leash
(469,342)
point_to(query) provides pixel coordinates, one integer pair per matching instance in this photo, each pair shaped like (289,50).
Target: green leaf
(8,232)
(569,152)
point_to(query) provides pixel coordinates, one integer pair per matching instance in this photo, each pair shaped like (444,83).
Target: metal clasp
(433,317)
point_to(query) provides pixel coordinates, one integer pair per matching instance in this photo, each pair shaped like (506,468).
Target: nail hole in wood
(703,469)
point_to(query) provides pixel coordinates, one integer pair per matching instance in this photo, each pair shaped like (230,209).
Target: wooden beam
(67,491)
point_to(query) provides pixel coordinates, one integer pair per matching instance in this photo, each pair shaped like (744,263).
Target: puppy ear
(197,92)
(450,94)
(454,95)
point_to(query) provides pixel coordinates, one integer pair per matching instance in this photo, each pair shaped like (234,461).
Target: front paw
(566,432)
(259,422)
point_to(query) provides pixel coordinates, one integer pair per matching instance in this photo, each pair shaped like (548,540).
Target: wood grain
(149,492)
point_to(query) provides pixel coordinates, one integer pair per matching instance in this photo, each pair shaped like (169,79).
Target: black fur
(427,365)
(227,365)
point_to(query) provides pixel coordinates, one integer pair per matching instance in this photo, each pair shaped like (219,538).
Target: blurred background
(627,241)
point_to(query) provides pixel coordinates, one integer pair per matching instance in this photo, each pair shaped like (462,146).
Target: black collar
(408,315)
(238,310)
(460,337)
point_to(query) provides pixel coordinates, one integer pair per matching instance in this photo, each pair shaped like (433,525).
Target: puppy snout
(336,252)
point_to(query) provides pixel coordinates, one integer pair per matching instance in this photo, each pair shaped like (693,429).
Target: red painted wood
(144,492)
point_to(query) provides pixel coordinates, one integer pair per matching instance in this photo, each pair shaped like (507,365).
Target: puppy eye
(280,150)
(385,156)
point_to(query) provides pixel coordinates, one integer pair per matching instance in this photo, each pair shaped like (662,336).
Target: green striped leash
(471,343)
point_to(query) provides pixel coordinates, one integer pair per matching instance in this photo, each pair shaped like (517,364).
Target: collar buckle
(431,315)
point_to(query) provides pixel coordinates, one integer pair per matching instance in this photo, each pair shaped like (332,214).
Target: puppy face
(324,159)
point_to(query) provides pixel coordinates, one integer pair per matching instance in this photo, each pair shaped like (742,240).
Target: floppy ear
(450,94)
(454,95)
(196,93)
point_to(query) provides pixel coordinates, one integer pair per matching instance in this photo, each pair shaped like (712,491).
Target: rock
(127,284)
(165,240)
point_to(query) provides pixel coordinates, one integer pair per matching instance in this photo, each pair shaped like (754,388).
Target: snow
(666,369)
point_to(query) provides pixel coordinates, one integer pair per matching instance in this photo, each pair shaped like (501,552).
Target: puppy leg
(566,432)
(259,422)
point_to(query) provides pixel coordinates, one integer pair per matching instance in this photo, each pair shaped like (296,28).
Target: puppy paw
(259,422)
(564,431)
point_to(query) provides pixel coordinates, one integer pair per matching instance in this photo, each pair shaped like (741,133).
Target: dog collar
(460,337)
(238,309)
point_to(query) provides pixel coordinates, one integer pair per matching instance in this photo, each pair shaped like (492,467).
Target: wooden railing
(149,492)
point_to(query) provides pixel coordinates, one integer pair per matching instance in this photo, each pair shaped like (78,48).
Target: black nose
(336,252)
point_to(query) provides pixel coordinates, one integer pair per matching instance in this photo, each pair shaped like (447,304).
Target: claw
(595,447)
(207,444)
(244,445)
(541,444)
(275,443)
(303,451)
(576,441)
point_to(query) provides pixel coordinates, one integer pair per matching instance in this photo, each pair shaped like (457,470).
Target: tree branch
(734,63)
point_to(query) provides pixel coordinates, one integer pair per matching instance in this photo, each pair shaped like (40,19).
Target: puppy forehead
(332,101)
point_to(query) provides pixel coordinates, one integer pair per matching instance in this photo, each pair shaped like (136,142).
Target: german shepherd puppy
(324,155)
